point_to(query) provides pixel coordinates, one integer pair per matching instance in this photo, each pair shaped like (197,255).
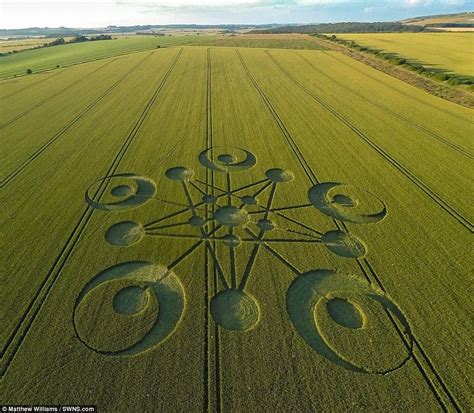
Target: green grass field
(449,52)
(49,58)
(234,229)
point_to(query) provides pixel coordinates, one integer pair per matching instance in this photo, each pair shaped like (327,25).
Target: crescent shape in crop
(146,299)
(229,159)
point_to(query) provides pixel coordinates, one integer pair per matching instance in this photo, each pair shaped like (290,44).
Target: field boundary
(436,88)
(313,178)
(457,148)
(66,127)
(401,168)
(422,102)
(56,269)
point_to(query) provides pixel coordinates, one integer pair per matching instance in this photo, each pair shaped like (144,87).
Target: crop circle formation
(128,308)
(227,159)
(337,314)
(347,203)
(235,310)
(127,191)
(340,316)
(124,234)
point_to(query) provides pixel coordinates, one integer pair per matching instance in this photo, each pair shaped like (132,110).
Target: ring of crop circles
(127,191)
(334,313)
(128,308)
(227,159)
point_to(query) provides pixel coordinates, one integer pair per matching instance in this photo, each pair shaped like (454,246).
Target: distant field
(48,58)
(20,44)
(451,52)
(271,41)
(457,18)
(454,29)
(219,229)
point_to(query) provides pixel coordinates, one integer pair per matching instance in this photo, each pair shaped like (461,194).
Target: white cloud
(418,2)
(97,13)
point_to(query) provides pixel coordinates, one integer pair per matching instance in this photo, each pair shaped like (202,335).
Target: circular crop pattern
(227,159)
(209,199)
(231,240)
(127,191)
(121,191)
(266,224)
(278,175)
(180,173)
(124,234)
(235,310)
(196,221)
(343,244)
(347,203)
(346,321)
(248,200)
(128,308)
(231,216)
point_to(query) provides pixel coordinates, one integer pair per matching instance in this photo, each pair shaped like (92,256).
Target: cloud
(208,6)
(437,3)
(229,3)
(366,6)
(97,13)
(417,3)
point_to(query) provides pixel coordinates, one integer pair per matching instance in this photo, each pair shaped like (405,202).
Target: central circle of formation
(231,216)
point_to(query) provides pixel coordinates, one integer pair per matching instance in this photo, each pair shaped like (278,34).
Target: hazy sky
(84,13)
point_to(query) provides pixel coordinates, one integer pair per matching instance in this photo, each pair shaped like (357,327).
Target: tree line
(345,27)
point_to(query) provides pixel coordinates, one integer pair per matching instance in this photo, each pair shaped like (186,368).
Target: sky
(87,13)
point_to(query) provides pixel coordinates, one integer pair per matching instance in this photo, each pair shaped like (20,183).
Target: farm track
(422,102)
(314,179)
(20,168)
(46,286)
(401,168)
(366,268)
(39,104)
(207,259)
(210,176)
(384,108)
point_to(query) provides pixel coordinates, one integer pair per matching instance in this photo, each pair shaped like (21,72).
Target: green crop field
(450,52)
(40,60)
(237,230)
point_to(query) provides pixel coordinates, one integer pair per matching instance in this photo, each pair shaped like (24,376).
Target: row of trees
(77,39)
(346,27)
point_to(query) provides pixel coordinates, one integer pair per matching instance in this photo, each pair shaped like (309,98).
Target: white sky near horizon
(84,13)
